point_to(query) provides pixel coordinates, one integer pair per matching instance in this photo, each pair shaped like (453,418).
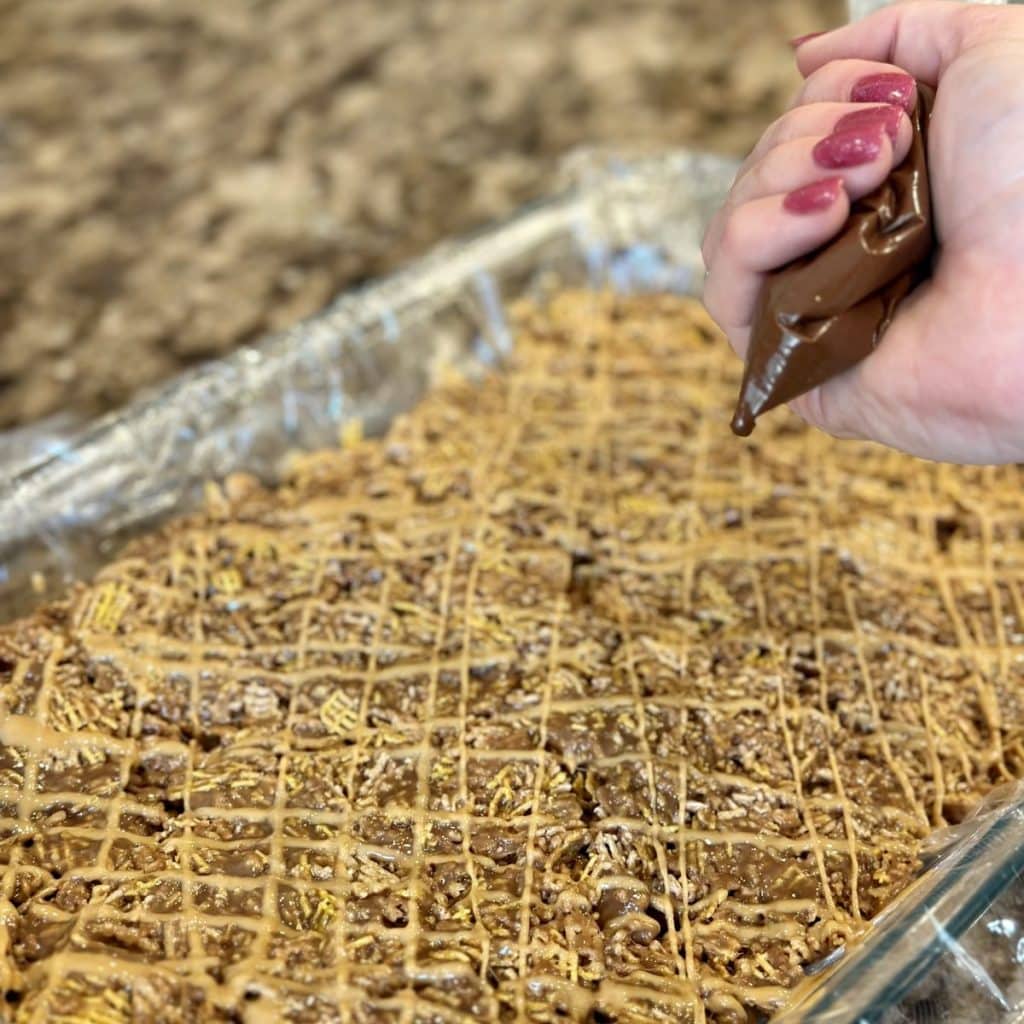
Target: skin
(947,382)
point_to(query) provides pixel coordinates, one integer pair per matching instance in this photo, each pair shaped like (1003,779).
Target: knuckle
(768,170)
(734,233)
(711,244)
(886,19)
(713,302)
(705,242)
(748,183)
(821,81)
(706,256)
(783,128)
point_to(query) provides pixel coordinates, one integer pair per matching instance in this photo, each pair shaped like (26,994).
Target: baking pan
(621,225)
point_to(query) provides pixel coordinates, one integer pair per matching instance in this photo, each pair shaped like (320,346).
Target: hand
(947,380)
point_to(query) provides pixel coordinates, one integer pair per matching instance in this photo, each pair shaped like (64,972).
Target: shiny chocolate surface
(825,312)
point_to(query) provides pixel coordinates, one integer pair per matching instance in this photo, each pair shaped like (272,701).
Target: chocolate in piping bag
(823,313)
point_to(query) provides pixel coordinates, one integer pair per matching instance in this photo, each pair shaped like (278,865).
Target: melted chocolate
(825,312)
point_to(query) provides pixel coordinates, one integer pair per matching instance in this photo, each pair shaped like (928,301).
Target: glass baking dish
(621,225)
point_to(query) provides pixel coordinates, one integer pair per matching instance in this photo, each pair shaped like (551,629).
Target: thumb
(922,38)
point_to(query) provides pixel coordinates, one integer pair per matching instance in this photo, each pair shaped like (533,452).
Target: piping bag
(825,312)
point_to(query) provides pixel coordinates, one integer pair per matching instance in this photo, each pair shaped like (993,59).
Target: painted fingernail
(886,117)
(814,198)
(891,87)
(849,149)
(800,40)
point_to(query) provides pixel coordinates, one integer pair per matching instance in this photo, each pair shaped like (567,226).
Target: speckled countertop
(177,179)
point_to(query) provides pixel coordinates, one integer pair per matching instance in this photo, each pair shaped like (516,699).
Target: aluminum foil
(368,356)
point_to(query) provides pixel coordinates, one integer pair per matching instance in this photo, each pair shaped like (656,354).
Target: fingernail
(849,149)
(892,87)
(800,40)
(886,117)
(814,198)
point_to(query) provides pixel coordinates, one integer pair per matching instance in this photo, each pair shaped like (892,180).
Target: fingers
(921,38)
(859,154)
(859,81)
(785,159)
(861,157)
(812,119)
(862,154)
(763,234)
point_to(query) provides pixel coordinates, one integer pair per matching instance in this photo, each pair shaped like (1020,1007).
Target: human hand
(947,380)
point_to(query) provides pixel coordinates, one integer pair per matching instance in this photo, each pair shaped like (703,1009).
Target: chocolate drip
(825,312)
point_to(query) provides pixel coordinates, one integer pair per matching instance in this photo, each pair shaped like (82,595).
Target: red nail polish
(886,117)
(850,148)
(814,198)
(800,40)
(891,87)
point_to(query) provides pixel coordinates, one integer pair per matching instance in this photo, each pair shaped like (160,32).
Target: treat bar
(554,704)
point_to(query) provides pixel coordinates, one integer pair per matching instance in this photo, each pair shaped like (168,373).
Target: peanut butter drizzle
(554,701)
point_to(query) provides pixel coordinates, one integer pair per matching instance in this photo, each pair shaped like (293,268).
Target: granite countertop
(176,180)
